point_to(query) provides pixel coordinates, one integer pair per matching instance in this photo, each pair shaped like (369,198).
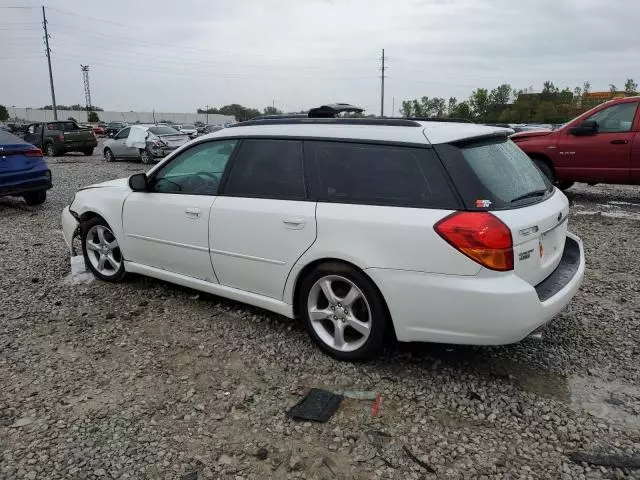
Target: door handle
(193,212)
(294,223)
(619,142)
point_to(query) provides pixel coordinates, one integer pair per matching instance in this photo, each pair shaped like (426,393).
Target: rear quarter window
(493,174)
(370,174)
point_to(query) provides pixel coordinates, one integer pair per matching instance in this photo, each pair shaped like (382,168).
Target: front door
(262,223)
(167,227)
(117,146)
(604,156)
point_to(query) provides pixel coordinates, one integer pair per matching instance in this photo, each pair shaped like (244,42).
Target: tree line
(240,112)
(504,104)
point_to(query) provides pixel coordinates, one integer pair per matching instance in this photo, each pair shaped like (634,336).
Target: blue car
(23,171)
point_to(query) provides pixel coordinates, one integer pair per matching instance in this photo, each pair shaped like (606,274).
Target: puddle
(612,401)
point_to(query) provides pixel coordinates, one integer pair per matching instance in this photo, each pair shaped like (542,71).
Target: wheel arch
(308,268)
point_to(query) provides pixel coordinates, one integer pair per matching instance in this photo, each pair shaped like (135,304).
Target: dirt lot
(152,381)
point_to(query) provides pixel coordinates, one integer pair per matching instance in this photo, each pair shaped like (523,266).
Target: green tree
(586,88)
(479,103)
(630,87)
(613,88)
(4,114)
(451,106)
(92,117)
(463,111)
(272,111)
(406,110)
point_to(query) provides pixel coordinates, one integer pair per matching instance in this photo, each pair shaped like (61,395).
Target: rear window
(369,174)
(163,131)
(494,174)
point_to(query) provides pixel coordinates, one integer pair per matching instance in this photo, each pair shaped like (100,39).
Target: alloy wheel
(339,313)
(103,250)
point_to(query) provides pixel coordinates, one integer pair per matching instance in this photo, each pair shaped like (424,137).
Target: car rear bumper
(488,309)
(69,228)
(17,188)
(162,152)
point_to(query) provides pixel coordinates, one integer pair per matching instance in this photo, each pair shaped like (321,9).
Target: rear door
(262,222)
(604,156)
(495,175)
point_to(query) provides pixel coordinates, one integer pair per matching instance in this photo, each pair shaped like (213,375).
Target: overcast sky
(178,55)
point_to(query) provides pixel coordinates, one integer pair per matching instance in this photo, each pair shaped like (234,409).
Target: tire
(50,150)
(146,157)
(37,197)
(101,251)
(546,169)
(108,155)
(88,152)
(364,304)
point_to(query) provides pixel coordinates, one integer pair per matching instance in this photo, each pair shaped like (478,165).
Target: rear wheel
(344,312)
(101,250)
(108,155)
(146,157)
(35,198)
(51,150)
(88,151)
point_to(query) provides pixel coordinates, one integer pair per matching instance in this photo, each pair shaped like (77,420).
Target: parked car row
(144,142)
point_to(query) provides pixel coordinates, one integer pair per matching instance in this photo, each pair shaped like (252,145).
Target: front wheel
(108,155)
(101,251)
(146,157)
(35,198)
(344,313)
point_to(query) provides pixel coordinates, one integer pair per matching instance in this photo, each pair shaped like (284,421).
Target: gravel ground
(148,380)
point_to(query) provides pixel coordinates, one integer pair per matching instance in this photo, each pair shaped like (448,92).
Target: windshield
(494,174)
(160,130)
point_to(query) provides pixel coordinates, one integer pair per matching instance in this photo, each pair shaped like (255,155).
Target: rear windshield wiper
(534,193)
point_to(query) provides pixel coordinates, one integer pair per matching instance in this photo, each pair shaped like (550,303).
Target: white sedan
(364,229)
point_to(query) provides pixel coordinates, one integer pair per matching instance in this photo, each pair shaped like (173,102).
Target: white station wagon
(362,228)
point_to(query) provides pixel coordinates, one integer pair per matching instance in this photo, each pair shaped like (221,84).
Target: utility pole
(87,89)
(46,41)
(383,58)
(207,112)
(273,104)
(393,106)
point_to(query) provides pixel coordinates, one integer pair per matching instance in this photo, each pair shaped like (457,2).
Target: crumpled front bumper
(70,228)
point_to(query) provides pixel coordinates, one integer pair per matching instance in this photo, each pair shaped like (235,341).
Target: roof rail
(440,119)
(391,122)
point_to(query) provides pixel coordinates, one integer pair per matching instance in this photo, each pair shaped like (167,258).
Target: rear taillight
(480,236)
(36,152)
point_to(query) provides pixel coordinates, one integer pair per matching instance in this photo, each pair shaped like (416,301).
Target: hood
(533,133)
(117,183)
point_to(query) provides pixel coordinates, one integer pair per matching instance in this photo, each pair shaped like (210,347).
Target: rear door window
(494,174)
(267,168)
(391,175)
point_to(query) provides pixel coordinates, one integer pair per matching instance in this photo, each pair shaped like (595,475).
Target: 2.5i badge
(483,203)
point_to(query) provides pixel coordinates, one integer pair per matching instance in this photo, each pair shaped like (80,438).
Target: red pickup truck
(600,146)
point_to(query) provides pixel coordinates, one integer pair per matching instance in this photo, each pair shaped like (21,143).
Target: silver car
(190,130)
(143,142)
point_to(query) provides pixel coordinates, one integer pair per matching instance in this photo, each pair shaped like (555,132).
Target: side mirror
(588,127)
(138,182)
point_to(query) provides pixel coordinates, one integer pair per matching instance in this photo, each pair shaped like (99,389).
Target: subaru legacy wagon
(365,229)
